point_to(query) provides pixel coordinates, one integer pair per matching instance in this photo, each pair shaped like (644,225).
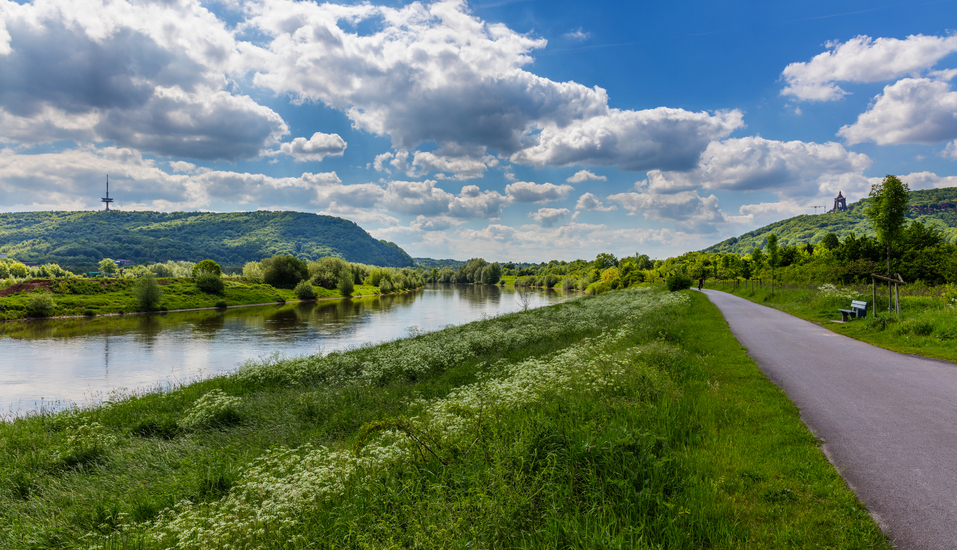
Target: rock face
(78,240)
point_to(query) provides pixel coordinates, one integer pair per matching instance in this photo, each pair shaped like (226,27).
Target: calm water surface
(56,363)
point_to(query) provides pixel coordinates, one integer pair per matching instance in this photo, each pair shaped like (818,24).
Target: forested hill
(933,207)
(78,240)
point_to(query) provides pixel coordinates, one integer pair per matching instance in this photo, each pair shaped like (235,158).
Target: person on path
(700,283)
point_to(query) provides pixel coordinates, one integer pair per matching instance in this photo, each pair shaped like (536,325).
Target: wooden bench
(858,311)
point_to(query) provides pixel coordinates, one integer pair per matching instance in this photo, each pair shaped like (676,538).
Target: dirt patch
(28,286)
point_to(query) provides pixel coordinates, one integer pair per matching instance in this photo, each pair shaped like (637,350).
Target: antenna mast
(107,200)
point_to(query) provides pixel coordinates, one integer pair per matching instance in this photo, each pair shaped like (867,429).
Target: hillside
(78,240)
(932,207)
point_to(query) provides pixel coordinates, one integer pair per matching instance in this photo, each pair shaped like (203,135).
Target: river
(57,363)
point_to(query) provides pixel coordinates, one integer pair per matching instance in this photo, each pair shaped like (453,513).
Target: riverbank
(927,324)
(89,298)
(632,419)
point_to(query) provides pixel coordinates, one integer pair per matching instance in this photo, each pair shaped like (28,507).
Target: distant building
(840,203)
(123,263)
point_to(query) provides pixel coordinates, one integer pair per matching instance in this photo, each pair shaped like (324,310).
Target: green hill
(78,240)
(933,207)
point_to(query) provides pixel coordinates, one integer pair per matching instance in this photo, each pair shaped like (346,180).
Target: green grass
(927,324)
(85,297)
(628,420)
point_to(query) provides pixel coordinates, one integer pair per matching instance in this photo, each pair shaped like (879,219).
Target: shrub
(345,283)
(18,270)
(284,271)
(40,304)
(207,266)
(385,286)
(213,410)
(677,281)
(327,271)
(147,291)
(305,291)
(253,272)
(222,304)
(210,284)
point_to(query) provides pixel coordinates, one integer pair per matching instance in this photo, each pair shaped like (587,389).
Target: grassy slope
(177,294)
(926,326)
(626,420)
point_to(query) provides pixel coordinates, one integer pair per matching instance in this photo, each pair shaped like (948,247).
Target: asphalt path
(888,420)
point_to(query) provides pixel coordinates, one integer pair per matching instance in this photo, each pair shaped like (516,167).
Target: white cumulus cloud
(589,201)
(585,175)
(548,217)
(912,110)
(316,148)
(863,59)
(527,191)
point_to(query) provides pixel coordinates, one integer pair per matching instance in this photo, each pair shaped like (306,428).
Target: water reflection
(78,360)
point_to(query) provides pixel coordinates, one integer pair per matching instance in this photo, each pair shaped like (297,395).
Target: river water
(57,363)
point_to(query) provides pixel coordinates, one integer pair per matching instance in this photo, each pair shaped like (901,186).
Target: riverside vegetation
(632,419)
(46,290)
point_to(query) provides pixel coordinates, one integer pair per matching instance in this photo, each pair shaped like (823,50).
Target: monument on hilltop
(840,203)
(107,200)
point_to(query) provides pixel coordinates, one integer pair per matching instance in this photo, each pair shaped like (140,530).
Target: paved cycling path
(888,420)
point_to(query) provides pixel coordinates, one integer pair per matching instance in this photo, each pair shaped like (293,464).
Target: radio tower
(107,200)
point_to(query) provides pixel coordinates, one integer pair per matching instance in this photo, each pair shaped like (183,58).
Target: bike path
(888,420)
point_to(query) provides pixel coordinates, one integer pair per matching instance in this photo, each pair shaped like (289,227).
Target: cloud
(425,199)
(73,179)
(434,73)
(591,202)
(950,151)
(527,191)
(788,168)
(912,110)
(686,209)
(863,59)
(147,75)
(316,148)
(577,34)
(548,217)
(922,180)
(585,175)
(661,138)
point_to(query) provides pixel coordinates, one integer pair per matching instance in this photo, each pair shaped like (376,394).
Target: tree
(207,266)
(285,271)
(888,212)
(774,255)
(830,241)
(345,285)
(147,291)
(108,266)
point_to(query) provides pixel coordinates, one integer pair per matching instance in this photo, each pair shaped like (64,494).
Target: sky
(514,130)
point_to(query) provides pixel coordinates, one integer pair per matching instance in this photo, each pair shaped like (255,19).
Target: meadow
(926,325)
(632,419)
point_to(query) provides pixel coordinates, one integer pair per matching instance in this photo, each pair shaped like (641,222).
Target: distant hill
(79,240)
(432,262)
(933,207)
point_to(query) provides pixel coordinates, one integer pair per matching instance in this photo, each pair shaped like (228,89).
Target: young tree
(774,255)
(108,266)
(887,212)
(147,291)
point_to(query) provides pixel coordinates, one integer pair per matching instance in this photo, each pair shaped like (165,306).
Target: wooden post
(874,292)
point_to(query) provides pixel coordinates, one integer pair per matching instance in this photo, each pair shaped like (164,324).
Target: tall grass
(631,419)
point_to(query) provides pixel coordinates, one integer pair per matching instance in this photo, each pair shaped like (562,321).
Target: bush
(385,286)
(210,284)
(40,304)
(253,272)
(207,266)
(147,291)
(327,271)
(677,281)
(222,304)
(284,271)
(305,291)
(345,283)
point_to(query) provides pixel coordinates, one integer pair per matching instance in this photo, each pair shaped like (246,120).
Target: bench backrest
(857,304)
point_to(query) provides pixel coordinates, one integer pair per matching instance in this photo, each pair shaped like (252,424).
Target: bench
(858,311)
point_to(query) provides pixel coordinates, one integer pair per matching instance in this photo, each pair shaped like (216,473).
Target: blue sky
(512,130)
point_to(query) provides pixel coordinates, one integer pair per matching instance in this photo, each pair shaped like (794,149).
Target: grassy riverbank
(632,419)
(927,324)
(106,296)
